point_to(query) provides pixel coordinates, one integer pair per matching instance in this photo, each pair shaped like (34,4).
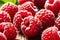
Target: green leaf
(13,1)
(1,3)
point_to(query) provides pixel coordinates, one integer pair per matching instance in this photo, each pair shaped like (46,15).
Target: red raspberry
(53,5)
(27,6)
(47,17)
(26,3)
(31,27)
(57,22)
(9,30)
(10,8)
(23,1)
(4,17)
(50,34)
(1,28)
(39,3)
(18,18)
(2,36)
(24,13)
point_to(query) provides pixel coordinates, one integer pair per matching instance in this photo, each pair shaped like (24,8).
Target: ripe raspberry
(24,13)
(1,28)
(31,26)
(9,30)
(53,5)
(27,6)
(57,22)
(10,8)
(50,34)
(39,3)
(2,36)
(18,18)
(47,17)
(23,1)
(4,17)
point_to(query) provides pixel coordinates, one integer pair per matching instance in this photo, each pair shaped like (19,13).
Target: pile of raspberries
(31,17)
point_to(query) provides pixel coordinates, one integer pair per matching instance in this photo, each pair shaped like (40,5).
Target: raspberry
(2,36)
(1,28)
(57,22)
(31,26)
(53,5)
(27,6)
(24,13)
(10,8)
(23,1)
(9,30)
(47,17)
(50,34)
(39,3)
(4,17)
(18,18)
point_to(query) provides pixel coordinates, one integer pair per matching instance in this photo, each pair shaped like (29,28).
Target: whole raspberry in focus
(31,26)
(2,36)
(50,33)
(9,30)
(18,18)
(46,17)
(39,3)
(53,5)
(57,22)
(23,1)
(29,6)
(10,8)
(4,17)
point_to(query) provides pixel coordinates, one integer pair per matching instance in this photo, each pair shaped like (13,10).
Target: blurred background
(4,1)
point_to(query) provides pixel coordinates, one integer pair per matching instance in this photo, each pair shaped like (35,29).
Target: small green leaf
(13,1)
(1,3)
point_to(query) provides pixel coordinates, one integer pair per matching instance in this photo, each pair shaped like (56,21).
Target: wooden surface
(22,37)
